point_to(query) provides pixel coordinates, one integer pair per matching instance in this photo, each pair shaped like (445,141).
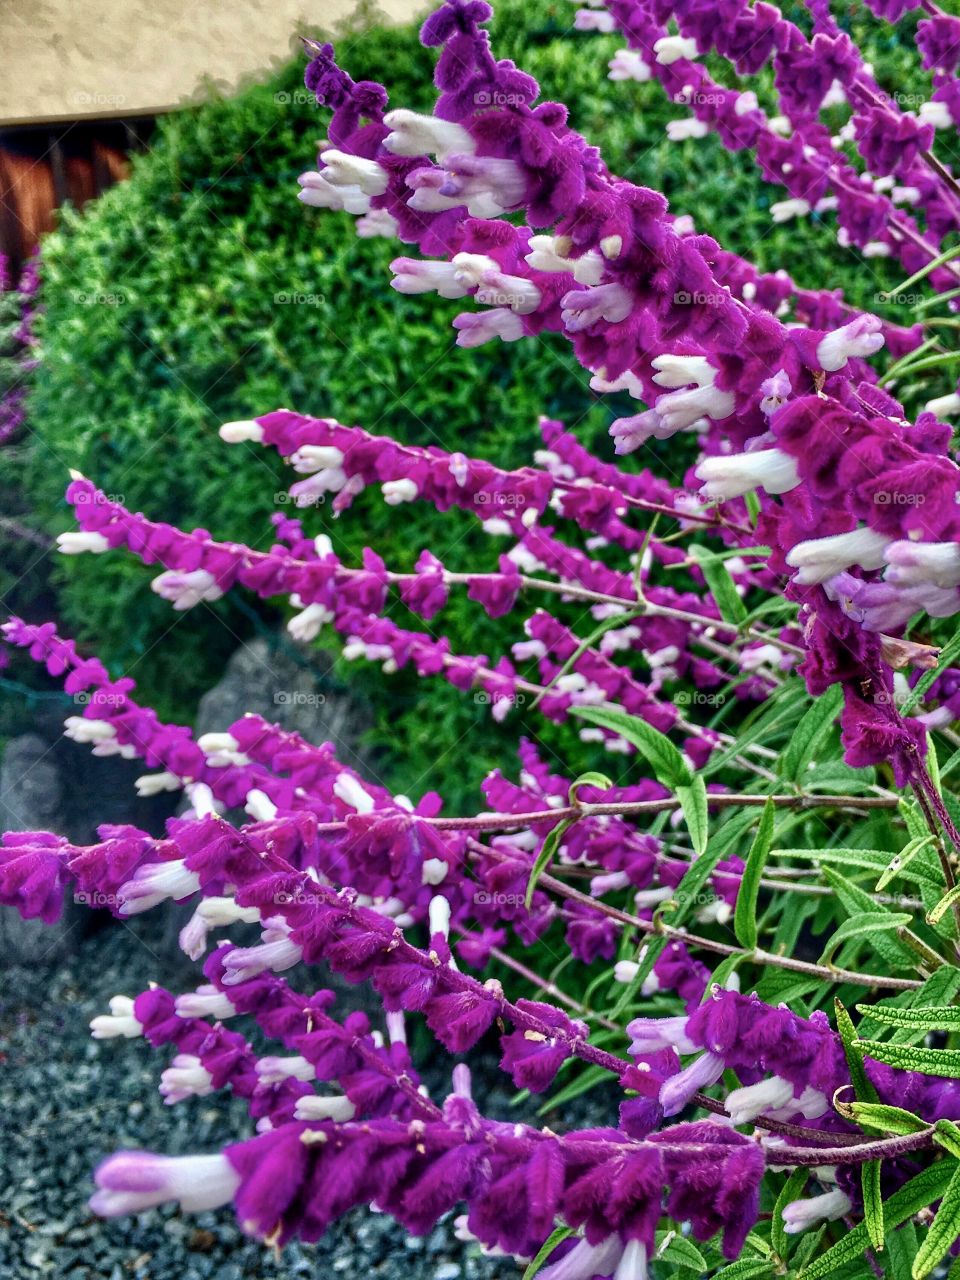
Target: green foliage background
(202,290)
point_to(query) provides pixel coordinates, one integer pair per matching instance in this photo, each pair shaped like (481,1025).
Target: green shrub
(166,315)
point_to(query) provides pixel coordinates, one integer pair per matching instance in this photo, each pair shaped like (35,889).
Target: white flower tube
(413,134)
(914,563)
(860,338)
(732,475)
(818,559)
(136,1180)
(120,1021)
(81,543)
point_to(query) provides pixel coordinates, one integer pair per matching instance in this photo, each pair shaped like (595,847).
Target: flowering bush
(815,870)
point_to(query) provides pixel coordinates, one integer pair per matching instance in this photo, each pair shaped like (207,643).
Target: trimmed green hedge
(202,290)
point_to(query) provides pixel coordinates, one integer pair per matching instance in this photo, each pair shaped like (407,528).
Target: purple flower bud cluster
(18,341)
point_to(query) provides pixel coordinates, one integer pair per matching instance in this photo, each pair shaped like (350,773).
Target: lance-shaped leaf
(872,1202)
(946,1134)
(900,861)
(589,779)
(555,1238)
(943,1231)
(722,587)
(815,724)
(543,859)
(865,926)
(693,802)
(911,1057)
(919,1192)
(857,901)
(936,913)
(663,757)
(939,990)
(874,860)
(745,916)
(675,1248)
(790,1191)
(746,1269)
(922,1019)
(881,1116)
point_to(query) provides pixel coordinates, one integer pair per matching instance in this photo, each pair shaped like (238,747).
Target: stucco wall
(64,59)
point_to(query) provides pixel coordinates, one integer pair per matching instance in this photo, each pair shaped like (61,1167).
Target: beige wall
(64,59)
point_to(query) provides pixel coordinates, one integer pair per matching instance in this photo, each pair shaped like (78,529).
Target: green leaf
(693,802)
(745,916)
(815,724)
(936,913)
(947,655)
(583,1083)
(555,1238)
(872,1202)
(590,779)
(901,1250)
(947,1135)
(882,1117)
(940,989)
(901,860)
(790,1191)
(921,1019)
(873,860)
(649,955)
(746,1269)
(866,925)
(549,847)
(862,1088)
(856,901)
(943,1231)
(919,1192)
(722,586)
(673,1247)
(663,757)
(728,965)
(687,894)
(944,1063)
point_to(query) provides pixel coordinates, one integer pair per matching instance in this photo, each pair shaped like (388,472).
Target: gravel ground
(66,1101)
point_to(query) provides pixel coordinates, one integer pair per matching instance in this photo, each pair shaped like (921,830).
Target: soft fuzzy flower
(137,1180)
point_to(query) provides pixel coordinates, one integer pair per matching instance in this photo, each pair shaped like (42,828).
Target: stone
(290,686)
(31,796)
